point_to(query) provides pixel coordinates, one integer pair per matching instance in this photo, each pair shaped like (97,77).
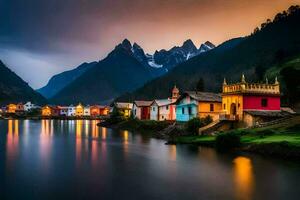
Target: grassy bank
(282,139)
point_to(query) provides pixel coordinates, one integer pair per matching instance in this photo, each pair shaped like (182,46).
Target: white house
(141,109)
(86,111)
(29,106)
(71,111)
(163,109)
(63,110)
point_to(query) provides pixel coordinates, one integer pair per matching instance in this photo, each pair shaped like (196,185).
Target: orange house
(48,111)
(95,110)
(11,108)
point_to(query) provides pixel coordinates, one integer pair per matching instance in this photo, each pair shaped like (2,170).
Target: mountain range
(14,90)
(125,69)
(262,54)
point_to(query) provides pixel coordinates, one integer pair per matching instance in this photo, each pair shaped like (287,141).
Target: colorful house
(165,109)
(20,108)
(124,108)
(63,111)
(11,108)
(79,110)
(71,111)
(141,109)
(104,110)
(86,111)
(193,104)
(95,110)
(29,106)
(52,111)
(251,102)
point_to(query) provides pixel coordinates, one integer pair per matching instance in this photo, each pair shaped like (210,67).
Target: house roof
(123,105)
(264,113)
(142,103)
(163,102)
(202,96)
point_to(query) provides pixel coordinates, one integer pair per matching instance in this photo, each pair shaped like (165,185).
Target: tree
(200,85)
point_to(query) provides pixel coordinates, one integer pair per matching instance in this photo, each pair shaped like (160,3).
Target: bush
(193,125)
(227,141)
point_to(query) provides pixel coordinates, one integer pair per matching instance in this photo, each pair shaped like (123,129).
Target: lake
(51,159)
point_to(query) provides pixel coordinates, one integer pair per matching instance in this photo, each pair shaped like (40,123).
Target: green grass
(287,131)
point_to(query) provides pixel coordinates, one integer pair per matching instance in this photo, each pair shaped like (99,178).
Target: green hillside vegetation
(275,42)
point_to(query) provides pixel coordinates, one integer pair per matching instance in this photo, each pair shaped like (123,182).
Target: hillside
(13,89)
(59,81)
(119,72)
(275,42)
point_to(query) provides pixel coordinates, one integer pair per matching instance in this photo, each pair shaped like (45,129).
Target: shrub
(227,141)
(206,120)
(193,125)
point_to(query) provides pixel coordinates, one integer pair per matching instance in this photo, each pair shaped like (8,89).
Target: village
(245,104)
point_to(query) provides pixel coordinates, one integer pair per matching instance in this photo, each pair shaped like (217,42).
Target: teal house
(193,104)
(186,108)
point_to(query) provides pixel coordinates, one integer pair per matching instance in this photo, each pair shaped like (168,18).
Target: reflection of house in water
(12,140)
(243,178)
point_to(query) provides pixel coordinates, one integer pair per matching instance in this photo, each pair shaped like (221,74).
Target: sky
(41,38)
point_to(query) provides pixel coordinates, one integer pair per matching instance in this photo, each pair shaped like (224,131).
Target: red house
(141,109)
(251,103)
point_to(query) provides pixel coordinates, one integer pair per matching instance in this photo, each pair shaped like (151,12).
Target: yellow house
(46,111)
(79,110)
(209,108)
(11,108)
(124,108)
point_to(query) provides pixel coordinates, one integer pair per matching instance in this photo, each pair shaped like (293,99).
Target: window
(224,106)
(190,110)
(153,108)
(167,107)
(264,102)
(211,107)
(182,109)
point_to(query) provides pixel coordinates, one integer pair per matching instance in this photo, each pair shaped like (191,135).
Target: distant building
(71,111)
(79,110)
(251,102)
(50,111)
(29,106)
(63,110)
(20,108)
(124,108)
(86,111)
(164,109)
(193,104)
(11,108)
(141,109)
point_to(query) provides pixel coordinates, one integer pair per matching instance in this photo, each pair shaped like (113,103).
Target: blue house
(186,108)
(193,104)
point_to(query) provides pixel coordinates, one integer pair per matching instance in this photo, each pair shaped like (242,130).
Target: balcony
(224,117)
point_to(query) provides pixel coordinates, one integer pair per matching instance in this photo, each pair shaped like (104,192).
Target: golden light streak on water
(243,178)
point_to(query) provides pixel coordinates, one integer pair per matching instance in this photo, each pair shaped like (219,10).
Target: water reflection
(243,177)
(172,152)
(45,142)
(12,140)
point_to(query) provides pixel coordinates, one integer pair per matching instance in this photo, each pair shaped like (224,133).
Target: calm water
(78,160)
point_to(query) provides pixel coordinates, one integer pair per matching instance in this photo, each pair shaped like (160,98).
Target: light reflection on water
(88,156)
(244,177)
